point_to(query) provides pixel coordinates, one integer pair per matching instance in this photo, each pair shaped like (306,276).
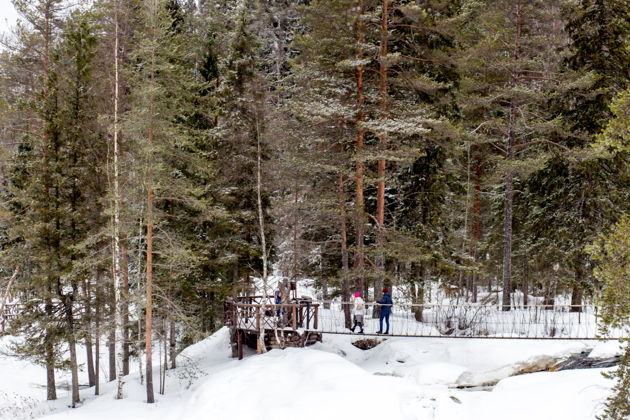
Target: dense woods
(157,155)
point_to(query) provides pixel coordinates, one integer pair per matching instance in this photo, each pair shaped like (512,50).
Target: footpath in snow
(401,378)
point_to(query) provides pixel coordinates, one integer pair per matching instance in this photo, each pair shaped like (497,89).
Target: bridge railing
(475,320)
(429,320)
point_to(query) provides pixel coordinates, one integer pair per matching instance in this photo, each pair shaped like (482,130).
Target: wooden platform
(293,324)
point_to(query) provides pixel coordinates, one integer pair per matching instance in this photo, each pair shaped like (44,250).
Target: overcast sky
(7,15)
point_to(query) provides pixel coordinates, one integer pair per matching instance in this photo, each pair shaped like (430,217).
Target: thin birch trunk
(263,239)
(119,336)
(124,259)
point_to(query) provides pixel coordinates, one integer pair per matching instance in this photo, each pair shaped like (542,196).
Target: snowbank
(400,379)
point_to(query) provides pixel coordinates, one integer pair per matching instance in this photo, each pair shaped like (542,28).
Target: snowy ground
(402,378)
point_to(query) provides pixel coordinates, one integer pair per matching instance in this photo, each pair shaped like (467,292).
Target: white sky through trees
(8,15)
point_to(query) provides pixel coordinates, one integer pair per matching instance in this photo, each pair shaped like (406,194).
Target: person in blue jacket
(278,301)
(386,309)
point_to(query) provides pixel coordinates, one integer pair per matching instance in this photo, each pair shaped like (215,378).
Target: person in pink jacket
(358,311)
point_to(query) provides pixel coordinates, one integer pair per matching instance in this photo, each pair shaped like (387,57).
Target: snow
(577,394)
(401,378)
(606,349)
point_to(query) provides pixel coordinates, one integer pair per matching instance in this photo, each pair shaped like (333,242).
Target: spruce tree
(575,196)
(611,254)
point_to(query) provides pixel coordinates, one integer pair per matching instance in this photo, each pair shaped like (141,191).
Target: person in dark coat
(278,301)
(386,309)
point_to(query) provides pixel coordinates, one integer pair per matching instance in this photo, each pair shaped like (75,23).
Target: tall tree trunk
(525,283)
(508,180)
(325,295)
(51,391)
(163,360)
(97,331)
(418,296)
(90,358)
(51,388)
(576,293)
(74,369)
(476,220)
(119,334)
(149,284)
(294,257)
(88,336)
(345,266)
(507,227)
(111,348)
(173,344)
(125,298)
(235,291)
(359,259)
(382,145)
(549,299)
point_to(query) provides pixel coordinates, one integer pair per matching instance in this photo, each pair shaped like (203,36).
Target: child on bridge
(359,312)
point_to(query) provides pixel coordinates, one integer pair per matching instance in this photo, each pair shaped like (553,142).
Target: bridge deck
(464,320)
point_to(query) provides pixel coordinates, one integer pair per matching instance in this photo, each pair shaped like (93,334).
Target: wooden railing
(255,316)
(9,312)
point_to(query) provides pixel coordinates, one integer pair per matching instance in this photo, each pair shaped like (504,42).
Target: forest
(156,156)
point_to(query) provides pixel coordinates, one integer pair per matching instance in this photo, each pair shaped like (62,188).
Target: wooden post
(294,312)
(239,344)
(316,309)
(258,346)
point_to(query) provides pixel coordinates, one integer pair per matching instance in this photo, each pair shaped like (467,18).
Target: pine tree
(507,101)
(163,119)
(611,253)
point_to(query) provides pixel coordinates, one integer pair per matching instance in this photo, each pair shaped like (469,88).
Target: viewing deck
(293,324)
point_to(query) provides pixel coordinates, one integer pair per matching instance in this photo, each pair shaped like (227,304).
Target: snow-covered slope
(402,378)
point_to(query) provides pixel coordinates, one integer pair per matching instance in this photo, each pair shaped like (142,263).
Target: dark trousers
(358,321)
(382,316)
